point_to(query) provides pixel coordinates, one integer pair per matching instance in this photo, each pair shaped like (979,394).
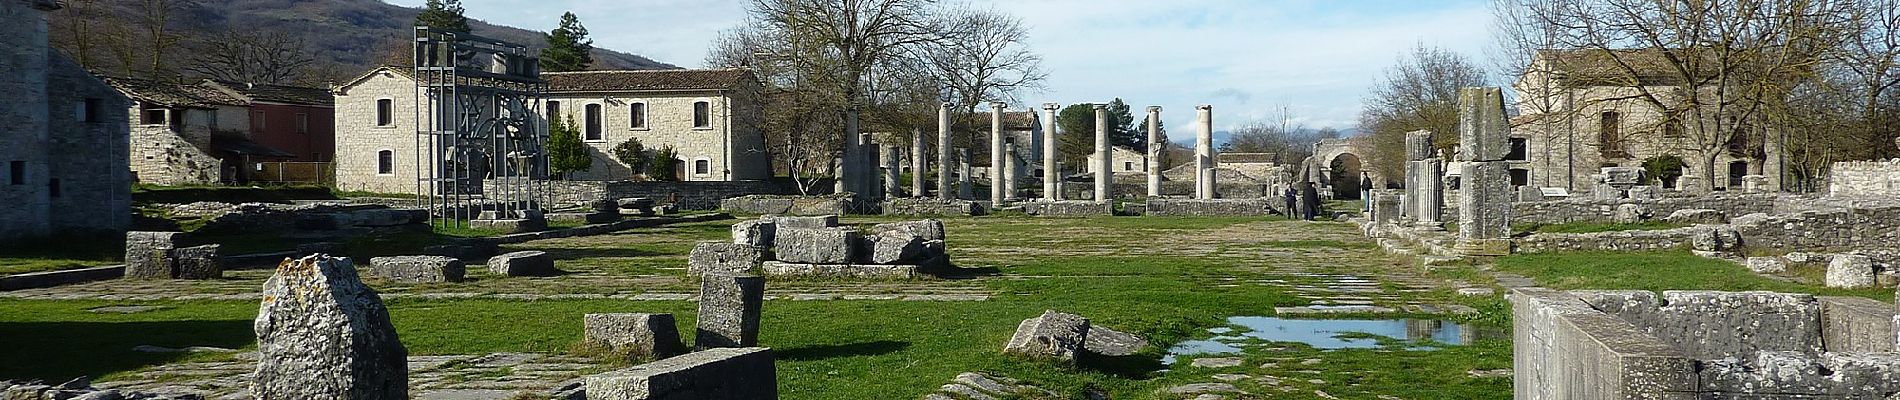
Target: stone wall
(1822,230)
(1635,240)
(64,138)
(1590,210)
(1226,207)
(1138,188)
(932,206)
(1069,208)
(787,205)
(694,195)
(359,139)
(1864,179)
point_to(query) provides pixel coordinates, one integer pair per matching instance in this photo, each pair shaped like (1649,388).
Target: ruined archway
(1346,172)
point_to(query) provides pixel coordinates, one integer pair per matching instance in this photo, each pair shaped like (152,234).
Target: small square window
(303,123)
(702,167)
(702,114)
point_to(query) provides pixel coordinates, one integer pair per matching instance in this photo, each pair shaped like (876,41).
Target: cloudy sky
(1247,58)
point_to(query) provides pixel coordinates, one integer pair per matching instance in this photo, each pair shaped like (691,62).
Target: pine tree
(443,15)
(568,47)
(1076,140)
(566,153)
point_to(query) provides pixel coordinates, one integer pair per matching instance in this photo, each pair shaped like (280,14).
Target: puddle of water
(1330,334)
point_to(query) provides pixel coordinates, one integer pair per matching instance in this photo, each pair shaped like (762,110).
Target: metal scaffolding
(478,124)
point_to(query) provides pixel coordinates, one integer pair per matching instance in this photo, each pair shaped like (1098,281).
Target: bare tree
(982,57)
(238,56)
(1420,92)
(155,18)
(1278,134)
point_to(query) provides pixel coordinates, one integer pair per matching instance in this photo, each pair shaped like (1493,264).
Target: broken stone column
(996,154)
(943,152)
(636,337)
(1204,152)
(1104,166)
(723,258)
(729,311)
(1010,172)
(1430,192)
(1484,221)
(1155,151)
(322,334)
(1418,147)
(964,176)
(893,184)
(715,374)
(917,162)
(1051,173)
(148,255)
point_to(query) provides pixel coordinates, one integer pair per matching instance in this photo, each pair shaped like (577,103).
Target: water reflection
(1329,334)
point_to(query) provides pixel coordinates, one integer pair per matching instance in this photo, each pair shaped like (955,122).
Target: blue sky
(1247,58)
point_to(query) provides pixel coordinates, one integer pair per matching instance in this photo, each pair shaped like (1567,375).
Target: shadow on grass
(59,351)
(821,352)
(967,273)
(575,254)
(1139,366)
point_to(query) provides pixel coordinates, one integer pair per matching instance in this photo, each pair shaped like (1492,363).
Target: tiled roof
(281,93)
(1593,65)
(662,79)
(171,94)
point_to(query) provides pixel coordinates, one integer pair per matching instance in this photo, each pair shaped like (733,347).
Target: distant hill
(344,36)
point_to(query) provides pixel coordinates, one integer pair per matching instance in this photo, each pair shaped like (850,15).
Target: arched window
(702,114)
(385,162)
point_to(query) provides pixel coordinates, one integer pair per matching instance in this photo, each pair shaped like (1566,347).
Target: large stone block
(322,334)
(1856,324)
(1630,213)
(1069,208)
(1418,145)
(637,337)
(523,263)
(928,229)
(1715,238)
(896,247)
(1386,208)
(714,374)
(757,233)
(1484,200)
(1850,271)
(1110,342)
(819,221)
(1765,265)
(419,269)
(1696,217)
(1483,134)
(775,268)
(816,245)
(729,311)
(196,262)
(148,255)
(724,258)
(1053,335)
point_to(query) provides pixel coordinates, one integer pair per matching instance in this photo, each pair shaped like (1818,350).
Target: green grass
(147,194)
(1592,227)
(1656,271)
(61,252)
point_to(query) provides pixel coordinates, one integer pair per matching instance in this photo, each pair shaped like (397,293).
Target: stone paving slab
(497,376)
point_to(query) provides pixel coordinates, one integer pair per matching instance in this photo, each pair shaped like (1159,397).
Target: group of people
(1302,201)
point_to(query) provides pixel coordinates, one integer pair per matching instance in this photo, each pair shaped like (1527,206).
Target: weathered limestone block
(1697,217)
(1643,192)
(729,311)
(932,206)
(1715,238)
(1053,335)
(928,229)
(1765,265)
(523,263)
(819,221)
(1110,342)
(896,247)
(1483,132)
(775,268)
(148,254)
(638,337)
(1630,213)
(1710,325)
(322,334)
(1484,202)
(1418,145)
(1069,208)
(1386,208)
(1850,271)
(714,374)
(816,245)
(1796,375)
(724,258)
(196,262)
(419,269)
(794,205)
(1856,324)
(756,233)
(585,218)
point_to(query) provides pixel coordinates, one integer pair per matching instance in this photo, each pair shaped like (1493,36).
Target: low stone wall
(787,205)
(1590,210)
(1125,189)
(1069,208)
(689,195)
(932,206)
(1698,344)
(1222,207)
(1864,179)
(1637,240)
(228,218)
(1834,230)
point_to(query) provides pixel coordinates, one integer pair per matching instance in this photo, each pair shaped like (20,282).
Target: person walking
(1292,202)
(1309,199)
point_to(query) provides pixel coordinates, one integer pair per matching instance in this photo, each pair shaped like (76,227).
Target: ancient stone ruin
(1062,337)
(158,255)
(418,269)
(1484,202)
(818,246)
(729,311)
(714,374)
(634,336)
(322,334)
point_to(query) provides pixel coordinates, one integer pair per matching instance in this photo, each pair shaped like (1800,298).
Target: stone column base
(1484,247)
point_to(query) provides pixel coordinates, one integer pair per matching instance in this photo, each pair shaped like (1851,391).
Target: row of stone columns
(1003,174)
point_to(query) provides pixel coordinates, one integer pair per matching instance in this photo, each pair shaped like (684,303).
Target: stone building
(299,121)
(1123,160)
(173,125)
(1582,110)
(712,118)
(62,145)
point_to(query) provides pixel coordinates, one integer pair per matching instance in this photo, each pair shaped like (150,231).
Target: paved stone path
(498,376)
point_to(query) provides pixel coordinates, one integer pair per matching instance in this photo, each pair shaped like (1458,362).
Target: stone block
(757,233)
(1484,201)
(1603,191)
(148,255)
(724,258)
(1053,335)
(638,337)
(816,245)
(729,311)
(1765,265)
(820,221)
(635,203)
(1483,132)
(604,205)
(1643,192)
(928,229)
(510,225)
(419,269)
(1630,213)
(1850,271)
(1622,177)
(1069,208)
(896,247)
(932,206)
(714,374)
(1158,206)
(466,250)
(589,218)
(1418,145)
(1856,325)
(1696,217)
(196,262)
(322,334)
(1110,342)
(1386,208)
(523,263)
(1715,238)
(785,269)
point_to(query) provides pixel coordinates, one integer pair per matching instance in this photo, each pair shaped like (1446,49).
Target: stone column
(1156,144)
(729,311)
(917,164)
(892,181)
(1010,173)
(1103,172)
(1484,214)
(964,191)
(1418,147)
(1051,173)
(1431,193)
(1204,152)
(851,174)
(996,154)
(943,152)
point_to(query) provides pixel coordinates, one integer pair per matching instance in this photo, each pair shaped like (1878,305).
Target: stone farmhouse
(712,118)
(211,131)
(300,121)
(1582,110)
(60,150)
(1125,161)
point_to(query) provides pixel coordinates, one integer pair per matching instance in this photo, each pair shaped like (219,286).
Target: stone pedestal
(1484,201)
(523,263)
(729,311)
(1385,208)
(148,255)
(1484,212)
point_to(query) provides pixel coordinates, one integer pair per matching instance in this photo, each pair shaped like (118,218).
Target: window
(385,162)
(1128,165)
(1608,135)
(702,114)
(638,115)
(1520,177)
(702,167)
(385,112)
(1672,128)
(1520,150)
(593,122)
(152,116)
(303,123)
(554,111)
(89,111)
(257,121)
(52,187)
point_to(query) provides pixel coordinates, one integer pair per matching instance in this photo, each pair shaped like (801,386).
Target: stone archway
(1346,170)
